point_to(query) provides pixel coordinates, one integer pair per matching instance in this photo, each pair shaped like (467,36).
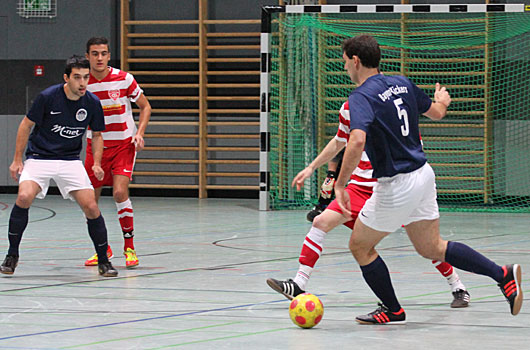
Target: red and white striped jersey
(116,91)
(362,175)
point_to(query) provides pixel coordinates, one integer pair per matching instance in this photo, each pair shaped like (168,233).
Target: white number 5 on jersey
(403,116)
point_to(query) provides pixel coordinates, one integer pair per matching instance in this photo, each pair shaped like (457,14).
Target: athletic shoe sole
(518,302)
(132,266)
(277,288)
(382,324)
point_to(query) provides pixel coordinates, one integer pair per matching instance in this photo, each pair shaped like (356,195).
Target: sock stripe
(124,204)
(313,248)
(307,239)
(126,219)
(303,274)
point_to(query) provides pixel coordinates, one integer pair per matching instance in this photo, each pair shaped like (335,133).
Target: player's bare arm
(442,100)
(352,157)
(331,150)
(145,115)
(24,129)
(97,152)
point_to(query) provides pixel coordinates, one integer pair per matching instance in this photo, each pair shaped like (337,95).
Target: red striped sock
(445,269)
(311,251)
(126,218)
(312,247)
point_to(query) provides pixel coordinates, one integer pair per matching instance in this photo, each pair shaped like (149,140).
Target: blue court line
(140,320)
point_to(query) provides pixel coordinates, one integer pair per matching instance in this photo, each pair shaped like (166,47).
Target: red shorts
(358,196)
(118,160)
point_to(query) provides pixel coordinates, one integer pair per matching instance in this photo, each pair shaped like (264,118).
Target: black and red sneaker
(382,315)
(511,287)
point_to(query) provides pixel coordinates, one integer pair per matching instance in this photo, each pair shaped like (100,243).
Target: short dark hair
(365,47)
(96,40)
(75,62)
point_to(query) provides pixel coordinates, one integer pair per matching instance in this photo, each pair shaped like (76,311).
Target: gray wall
(8,133)
(26,42)
(3,67)
(62,36)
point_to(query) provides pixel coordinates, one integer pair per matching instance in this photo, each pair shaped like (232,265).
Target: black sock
(377,277)
(465,258)
(98,234)
(18,220)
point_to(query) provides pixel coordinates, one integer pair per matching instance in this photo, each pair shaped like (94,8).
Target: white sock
(302,276)
(455,283)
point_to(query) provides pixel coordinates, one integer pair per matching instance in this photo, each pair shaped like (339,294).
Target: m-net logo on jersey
(68,132)
(114,94)
(81,114)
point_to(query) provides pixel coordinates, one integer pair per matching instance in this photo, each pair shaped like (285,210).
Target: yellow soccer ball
(306,310)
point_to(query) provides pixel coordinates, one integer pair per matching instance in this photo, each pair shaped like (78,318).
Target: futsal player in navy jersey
(384,117)
(59,118)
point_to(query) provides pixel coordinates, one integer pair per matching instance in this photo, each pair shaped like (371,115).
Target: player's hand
(99,173)
(15,169)
(138,141)
(441,95)
(298,180)
(343,199)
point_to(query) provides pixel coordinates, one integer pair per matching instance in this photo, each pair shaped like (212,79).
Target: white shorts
(400,200)
(69,175)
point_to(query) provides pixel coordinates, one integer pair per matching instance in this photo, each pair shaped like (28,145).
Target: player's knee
(120,195)
(362,253)
(325,222)
(356,249)
(24,199)
(320,223)
(91,210)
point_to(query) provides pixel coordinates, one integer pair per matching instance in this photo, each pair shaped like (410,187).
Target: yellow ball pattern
(306,310)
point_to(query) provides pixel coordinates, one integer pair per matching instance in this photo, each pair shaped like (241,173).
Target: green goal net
(480,151)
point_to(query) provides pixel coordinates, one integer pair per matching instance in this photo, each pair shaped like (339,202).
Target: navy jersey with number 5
(60,124)
(387,108)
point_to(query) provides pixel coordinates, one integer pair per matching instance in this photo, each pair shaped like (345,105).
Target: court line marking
(77,258)
(152,335)
(205,268)
(233,238)
(222,338)
(139,320)
(210,268)
(53,213)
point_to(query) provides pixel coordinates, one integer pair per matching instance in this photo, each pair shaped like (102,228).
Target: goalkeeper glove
(326,190)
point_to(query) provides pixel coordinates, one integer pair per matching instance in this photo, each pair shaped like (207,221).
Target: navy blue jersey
(60,124)
(387,108)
